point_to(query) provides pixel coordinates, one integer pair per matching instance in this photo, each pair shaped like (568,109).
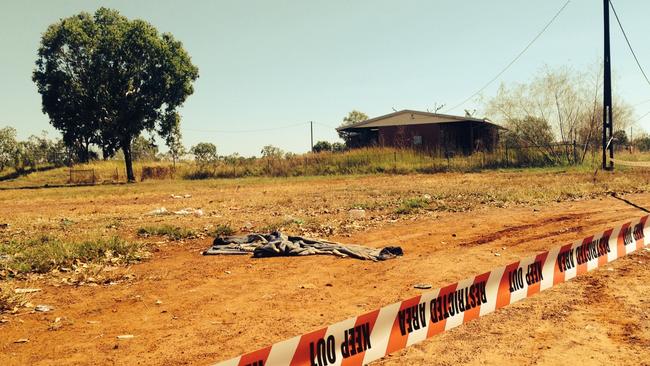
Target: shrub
(223,230)
(157,172)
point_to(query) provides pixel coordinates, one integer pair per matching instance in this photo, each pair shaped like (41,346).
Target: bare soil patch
(183,308)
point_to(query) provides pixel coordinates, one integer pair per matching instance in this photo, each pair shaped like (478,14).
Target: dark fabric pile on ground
(277,244)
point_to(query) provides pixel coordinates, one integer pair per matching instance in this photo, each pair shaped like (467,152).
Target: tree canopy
(104,79)
(352,118)
(204,153)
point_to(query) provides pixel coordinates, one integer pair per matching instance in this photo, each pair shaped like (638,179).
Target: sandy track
(214,308)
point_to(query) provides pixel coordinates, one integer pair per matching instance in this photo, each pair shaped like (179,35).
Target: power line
(513,60)
(324,125)
(640,118)
(628,43)
(249,131)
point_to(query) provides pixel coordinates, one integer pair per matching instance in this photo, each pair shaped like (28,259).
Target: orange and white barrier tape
(371,336)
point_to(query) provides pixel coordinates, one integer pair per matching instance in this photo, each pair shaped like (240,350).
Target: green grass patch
(411,205)
(171,232)
(223,230)
(45,254)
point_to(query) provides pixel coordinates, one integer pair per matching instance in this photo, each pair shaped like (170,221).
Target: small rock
(92,322)
(423,286)
(329,285)
(26,290)
(21,340)
(610,269)
(307,286)
(125,336)
(503,248)
(426,197)
(497,254)
(248,225)
(357,213)
(227,272)
(43,308)
(158,302)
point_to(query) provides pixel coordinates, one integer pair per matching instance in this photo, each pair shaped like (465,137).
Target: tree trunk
(126,148)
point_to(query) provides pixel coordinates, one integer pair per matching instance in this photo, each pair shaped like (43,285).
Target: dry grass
(9,299)
(354,162)
(97,219)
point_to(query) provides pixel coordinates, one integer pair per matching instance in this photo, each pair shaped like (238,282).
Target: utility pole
(608,121)
(311,128)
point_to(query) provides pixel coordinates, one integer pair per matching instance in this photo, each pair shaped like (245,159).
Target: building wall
(456,137)
(403,136)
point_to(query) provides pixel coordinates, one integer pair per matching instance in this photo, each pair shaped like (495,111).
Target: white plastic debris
(189,211)
(179,196)
(125,336)
(43,308)
(26,290)
(158,211)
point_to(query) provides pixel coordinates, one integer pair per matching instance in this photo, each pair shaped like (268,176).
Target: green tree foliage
(143,149)
(174,138)
(272,152)
(338,147)
(642,142)
(104,79)
(352,118)
(205,153)
(8,147)
(322,146)
(620,138)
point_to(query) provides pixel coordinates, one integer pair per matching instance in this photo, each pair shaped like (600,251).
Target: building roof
(410,117)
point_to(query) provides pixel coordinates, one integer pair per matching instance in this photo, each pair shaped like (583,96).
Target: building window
(417,140)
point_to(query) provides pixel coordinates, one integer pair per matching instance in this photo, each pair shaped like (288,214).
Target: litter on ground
(277,244)
(177,196)
(184,212)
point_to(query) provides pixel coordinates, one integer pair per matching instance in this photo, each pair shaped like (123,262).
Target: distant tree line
(558,107)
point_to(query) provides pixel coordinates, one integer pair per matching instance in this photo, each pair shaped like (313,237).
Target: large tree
(104,79)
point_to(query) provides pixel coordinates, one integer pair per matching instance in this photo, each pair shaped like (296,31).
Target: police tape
(371,336)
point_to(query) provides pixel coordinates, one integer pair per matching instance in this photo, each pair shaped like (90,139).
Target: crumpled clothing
(277,244)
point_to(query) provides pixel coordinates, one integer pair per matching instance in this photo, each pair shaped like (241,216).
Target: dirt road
(183,308)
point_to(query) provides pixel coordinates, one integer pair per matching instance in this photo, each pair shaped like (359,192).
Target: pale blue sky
(267,64)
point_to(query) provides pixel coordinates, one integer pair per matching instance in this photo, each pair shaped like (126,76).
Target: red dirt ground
(214,308)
